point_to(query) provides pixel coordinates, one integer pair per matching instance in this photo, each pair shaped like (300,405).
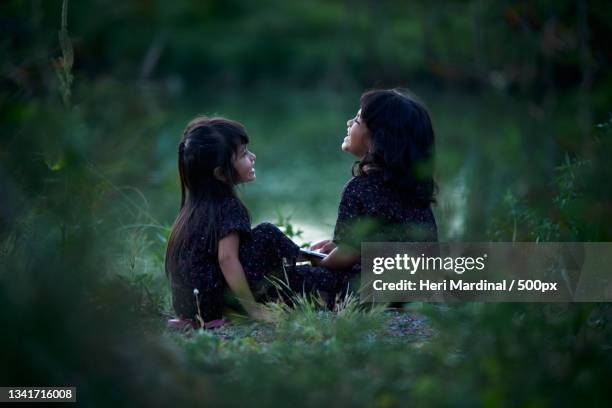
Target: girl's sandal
(186,324)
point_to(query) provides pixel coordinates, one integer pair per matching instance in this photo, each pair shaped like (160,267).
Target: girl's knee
(274,243)
(266,228)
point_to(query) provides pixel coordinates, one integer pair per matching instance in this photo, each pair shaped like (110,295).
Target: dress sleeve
(234,217)
(349,212)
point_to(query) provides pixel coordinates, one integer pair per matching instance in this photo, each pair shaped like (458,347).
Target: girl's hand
(325,246)
(261,314)
(315,260)
(342,257)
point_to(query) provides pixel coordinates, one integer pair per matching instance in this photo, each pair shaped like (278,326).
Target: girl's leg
(263,255)
(329,284)
(309,279)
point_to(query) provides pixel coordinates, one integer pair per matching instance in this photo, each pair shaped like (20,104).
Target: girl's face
(358,137)
(244,160)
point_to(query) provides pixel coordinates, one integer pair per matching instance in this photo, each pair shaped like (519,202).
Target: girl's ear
(219,174)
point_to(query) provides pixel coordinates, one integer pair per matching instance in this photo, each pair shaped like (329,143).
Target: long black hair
(402,144)
(207,176)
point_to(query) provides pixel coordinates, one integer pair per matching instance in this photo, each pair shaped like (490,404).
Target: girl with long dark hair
(212,245)
(390,195)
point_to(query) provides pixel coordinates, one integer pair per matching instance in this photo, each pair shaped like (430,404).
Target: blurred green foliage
(90,115)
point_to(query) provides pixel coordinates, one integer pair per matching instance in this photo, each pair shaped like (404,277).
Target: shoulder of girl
(353,186)
(357,181)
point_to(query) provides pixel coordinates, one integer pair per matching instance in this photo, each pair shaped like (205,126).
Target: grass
(466,354)
(308,355)
(359,355)
(111,335)
(68,319)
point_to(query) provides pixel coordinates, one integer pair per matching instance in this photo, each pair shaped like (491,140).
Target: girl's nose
(253,157)
(349,122)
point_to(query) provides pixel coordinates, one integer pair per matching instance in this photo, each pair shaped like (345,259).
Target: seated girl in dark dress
(212,245)
(390,195)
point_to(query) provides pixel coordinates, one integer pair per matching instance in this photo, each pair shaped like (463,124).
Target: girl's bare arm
(234,274)
(340,257)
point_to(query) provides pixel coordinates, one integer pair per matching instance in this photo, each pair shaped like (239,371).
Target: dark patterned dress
(370,211)
(261,252)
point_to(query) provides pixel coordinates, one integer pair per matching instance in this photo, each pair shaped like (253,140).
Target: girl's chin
(248,179)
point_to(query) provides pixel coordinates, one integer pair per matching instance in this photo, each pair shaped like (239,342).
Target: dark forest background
(94,96)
